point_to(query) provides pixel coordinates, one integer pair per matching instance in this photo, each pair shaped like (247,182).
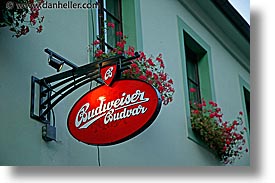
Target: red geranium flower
(134,65)
(196,111)
(39,29)
(212,115)
(98,53)
(155,76)
(170,81)
(96,42)
(110,24)
(120,45)
(235,122)
(192,90)
(120,34)
(150,62)
(161,89)
(142,77)
(148,73)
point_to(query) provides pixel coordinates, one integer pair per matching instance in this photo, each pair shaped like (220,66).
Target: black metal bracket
(49,132)
(47,92)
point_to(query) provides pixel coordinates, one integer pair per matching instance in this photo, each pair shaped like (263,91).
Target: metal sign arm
(52,89)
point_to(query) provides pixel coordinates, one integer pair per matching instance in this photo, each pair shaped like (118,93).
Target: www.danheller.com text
(57,5)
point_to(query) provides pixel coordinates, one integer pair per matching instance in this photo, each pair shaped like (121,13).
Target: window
(197,73)
(109,11)
(192,74)
(125,14)
(197,70)
(245,96)
(247,104)
(196,77)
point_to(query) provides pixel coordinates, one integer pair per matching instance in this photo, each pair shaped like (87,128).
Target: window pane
(111,32)
(109,12)
(247,104)
(194,96)
(113,7)
(192,70)
(192,74)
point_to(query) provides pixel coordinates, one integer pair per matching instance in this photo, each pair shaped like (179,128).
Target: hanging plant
(21,16)
(225,139)
(149,69)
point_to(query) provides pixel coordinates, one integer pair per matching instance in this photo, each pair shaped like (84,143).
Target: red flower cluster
(224,139)
(152,71)
(192,90)
(99,53)
(144,68)
(110,24)
(34,15)
(118,50)
(18,21)
(119,34)
(120,45)
(39,29)
(96,42)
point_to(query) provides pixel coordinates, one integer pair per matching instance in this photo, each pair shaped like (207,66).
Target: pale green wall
(164,143)
(160,34)
(65,31)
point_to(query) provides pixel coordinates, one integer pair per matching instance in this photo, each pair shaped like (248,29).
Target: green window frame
(127,19)
(109,11)
(189,39)
(192,58)
(132,28)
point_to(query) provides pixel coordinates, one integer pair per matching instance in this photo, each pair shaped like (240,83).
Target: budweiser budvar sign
(112,114)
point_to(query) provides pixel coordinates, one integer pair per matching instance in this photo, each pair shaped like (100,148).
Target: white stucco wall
(164,143)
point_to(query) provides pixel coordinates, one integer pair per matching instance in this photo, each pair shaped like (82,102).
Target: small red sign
(108,74)
(110,115)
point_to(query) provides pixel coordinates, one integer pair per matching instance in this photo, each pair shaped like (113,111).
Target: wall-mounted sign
(109,115)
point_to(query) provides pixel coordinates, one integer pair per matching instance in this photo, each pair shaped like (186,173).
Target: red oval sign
(110,115)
